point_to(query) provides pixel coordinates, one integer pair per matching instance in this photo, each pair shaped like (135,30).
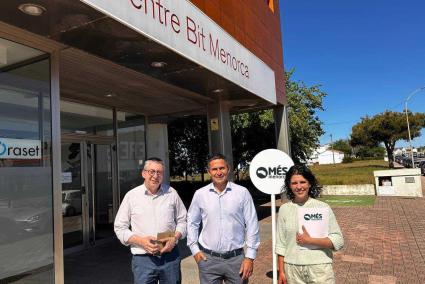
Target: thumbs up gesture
(304,238)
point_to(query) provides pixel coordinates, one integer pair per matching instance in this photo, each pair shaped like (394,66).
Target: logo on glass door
(3,148)
(20,149)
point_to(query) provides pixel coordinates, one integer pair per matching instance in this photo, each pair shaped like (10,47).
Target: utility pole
(332,149)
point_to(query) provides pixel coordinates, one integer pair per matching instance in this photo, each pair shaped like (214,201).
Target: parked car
(71,202)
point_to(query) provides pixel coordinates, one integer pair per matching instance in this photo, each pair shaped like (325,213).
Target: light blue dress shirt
(229,220)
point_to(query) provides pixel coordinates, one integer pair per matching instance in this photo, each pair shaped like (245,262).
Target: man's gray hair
(153,160)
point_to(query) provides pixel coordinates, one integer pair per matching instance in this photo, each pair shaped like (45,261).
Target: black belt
(224,255)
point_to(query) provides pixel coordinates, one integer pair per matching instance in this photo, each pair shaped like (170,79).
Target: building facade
(86,90)
(325,156)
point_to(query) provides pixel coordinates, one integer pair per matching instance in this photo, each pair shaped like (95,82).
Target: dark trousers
(148,269)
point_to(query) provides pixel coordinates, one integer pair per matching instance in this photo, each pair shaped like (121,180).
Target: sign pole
(267,172)
(274,238)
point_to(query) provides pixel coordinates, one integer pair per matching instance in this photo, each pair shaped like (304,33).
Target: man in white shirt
(145,211)
(229,222)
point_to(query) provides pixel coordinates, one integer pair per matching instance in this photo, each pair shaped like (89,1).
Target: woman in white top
(301,257)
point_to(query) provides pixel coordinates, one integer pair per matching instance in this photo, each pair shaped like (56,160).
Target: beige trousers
(317,274)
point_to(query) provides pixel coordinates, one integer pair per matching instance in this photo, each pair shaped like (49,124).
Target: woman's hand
(282,278)
(304,238)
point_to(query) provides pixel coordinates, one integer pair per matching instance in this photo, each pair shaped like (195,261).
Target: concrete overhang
(101,56)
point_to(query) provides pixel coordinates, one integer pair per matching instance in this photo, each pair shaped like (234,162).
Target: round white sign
(268,170)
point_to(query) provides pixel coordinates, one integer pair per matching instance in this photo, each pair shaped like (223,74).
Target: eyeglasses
(153,172)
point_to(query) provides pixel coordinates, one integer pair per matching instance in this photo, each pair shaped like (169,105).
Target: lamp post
(407,120)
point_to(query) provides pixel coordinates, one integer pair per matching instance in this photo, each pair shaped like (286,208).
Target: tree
(363,152)
(188,146)
(255,131)
(386,128)
(252,132)
(305,127)
(342,145)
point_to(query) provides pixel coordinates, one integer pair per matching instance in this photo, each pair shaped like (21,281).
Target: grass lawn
(348,200)
(358,172)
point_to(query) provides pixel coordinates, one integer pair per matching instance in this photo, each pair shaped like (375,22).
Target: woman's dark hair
(302,170)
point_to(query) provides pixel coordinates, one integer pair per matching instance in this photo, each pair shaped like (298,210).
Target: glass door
(87,193)
(73,194)
(101,195)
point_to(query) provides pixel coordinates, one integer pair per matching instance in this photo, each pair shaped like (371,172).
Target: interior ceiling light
(32,9)
(158,64)
(110,95)
(217,91)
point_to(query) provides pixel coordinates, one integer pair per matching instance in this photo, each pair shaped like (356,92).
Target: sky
(367,55)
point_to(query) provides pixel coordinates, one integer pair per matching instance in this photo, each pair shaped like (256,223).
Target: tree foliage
(252,132)
(387,128)
(255,131)
(305,127)
(364,152)
(188,145)
(342,145)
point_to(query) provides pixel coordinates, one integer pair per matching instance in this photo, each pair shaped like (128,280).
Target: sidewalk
(384,243)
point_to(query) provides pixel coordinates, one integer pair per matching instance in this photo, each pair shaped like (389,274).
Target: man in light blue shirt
(229,222)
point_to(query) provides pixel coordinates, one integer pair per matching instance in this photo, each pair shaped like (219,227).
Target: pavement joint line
(384,279)
(352,258)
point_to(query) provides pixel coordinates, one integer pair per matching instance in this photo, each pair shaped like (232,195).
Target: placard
(315,221)
(66,177)
(268,170)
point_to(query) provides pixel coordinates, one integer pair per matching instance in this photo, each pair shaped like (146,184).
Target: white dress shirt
(144,214)
(229,220)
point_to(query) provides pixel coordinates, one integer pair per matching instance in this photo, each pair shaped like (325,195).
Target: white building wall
(323,156)
(328,158)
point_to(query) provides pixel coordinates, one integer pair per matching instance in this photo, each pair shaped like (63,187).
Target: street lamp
(407,120)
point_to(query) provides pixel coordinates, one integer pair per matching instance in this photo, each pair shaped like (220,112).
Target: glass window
(84,119)
(131,150)
(26,205)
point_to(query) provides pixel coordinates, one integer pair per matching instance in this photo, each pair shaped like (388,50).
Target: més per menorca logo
(313,217)
(19,149)
(278,172)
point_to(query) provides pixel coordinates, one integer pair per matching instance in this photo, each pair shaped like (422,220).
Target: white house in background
(324,155)
(399,151)
(404,151)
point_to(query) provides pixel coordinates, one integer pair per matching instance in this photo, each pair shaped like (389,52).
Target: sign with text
(268,170)
(315,222)
(66,177)
(182,27)
(20,149)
